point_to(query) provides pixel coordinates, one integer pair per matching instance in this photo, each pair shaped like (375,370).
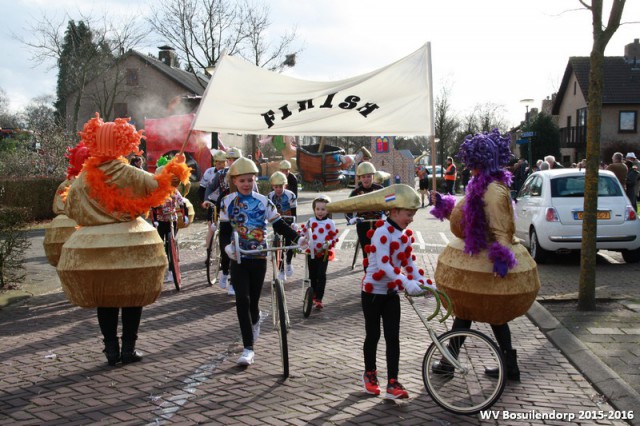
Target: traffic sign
(522,141)
(528,134)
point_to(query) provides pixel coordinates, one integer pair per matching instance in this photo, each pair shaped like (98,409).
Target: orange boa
(116,199)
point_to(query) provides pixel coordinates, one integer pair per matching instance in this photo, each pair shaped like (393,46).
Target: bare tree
(446,127)
(201,30)
(82,51)
(601,37)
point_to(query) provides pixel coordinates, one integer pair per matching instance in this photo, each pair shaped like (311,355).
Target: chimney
(168,56)
(632,51)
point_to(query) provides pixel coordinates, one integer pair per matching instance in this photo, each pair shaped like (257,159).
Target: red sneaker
(318,304)
(370,381)
(396,391)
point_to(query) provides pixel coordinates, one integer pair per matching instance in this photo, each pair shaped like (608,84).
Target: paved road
(52,370)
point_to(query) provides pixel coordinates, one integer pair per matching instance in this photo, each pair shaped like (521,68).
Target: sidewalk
(52,369)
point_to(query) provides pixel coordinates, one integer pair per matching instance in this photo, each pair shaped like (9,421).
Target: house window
(131,77)
(120,110)
(575,87)
(628,122)
(581,116)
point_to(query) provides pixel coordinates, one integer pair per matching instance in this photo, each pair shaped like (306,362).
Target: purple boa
(443,209)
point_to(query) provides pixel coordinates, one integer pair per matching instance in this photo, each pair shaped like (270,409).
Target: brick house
(620,103)
(147,87)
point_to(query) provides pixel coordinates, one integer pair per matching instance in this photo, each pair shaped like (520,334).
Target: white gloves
(294,226)
(185,220)
(155,224)
(213,227)
(303,242)
(352,220)
(413,287)
(231,252)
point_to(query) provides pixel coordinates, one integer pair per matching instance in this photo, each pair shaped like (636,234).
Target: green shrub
(13,244)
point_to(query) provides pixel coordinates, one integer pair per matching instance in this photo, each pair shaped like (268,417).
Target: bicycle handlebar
(236,243)
(437,296)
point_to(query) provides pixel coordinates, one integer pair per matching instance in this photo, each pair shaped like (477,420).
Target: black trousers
(248,279)
(387,308)
(108,321)
(501,332)
(361,229)
(318,276)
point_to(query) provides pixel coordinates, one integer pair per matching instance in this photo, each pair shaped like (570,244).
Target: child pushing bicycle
(391,269)
(247,212)
(323,236)
(286,203)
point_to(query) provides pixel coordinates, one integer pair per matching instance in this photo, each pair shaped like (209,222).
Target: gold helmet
(234,153)
(243,166)
(379,177)
(399,196)
(323,198)
(285,165)
(219,155)
(365,168)
(278,178)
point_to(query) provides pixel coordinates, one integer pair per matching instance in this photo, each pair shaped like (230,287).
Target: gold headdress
(399,196)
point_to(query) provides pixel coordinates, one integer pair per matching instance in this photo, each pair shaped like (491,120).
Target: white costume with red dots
(323,235)
(391,265)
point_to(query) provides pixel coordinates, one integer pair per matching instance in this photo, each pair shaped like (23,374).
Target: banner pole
(432,128)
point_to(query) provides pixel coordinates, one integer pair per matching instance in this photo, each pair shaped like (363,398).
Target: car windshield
(573,186)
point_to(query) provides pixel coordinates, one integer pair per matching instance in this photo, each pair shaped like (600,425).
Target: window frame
(623,125)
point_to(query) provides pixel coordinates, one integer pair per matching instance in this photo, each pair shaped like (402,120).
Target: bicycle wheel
(174,263)
(307,302)
(213,259)
(355,254)
(465,390)
(280,319)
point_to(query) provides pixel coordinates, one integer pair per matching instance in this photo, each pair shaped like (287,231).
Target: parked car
(550,207)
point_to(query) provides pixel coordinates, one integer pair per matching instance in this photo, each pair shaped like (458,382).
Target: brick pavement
(52,370)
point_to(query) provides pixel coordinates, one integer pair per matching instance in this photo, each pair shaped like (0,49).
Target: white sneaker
(224,279)
(281,275)
(289,269)
(246,358)
(256,329)
(231,291)
(168,277)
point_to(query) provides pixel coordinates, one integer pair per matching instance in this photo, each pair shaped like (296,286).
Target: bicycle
(307,290)
(173,255)
(460,384)
(213,252)
(278,301)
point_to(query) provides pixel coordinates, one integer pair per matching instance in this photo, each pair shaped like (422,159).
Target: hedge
(35,194)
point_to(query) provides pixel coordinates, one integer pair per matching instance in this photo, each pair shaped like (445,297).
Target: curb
(620,395)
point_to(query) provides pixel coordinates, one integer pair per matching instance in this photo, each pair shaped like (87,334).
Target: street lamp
(526,103)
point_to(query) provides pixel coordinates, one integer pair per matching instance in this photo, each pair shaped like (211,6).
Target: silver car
(549,211)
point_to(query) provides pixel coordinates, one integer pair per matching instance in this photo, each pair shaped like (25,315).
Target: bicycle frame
(437,311)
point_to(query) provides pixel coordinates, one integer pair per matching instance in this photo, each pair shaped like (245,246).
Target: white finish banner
(393,100)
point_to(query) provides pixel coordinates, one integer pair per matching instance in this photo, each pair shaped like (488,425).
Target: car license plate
(601,215)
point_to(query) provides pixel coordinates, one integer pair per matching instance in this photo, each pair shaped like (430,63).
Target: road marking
(341,239)
(444,238)
(418,235)
(609,258)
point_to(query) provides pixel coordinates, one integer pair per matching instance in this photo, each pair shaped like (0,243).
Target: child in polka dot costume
(323,237)
(391,269)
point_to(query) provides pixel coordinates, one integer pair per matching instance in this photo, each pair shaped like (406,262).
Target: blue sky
(498,51)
